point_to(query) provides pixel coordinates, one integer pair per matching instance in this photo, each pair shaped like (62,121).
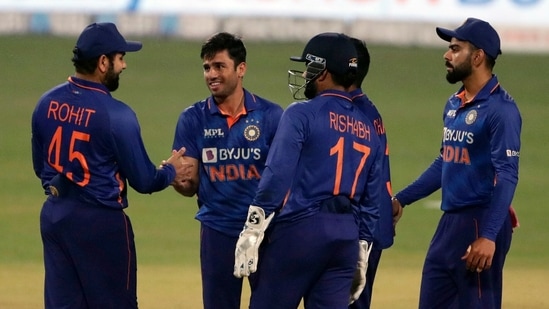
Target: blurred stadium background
(406,81)
(522,24)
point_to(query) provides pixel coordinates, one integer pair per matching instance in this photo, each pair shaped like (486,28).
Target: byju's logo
(213,133)
(512,153)
(209,155)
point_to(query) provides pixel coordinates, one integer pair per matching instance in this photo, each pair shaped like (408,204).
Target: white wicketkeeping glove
(247,246)
(359,281)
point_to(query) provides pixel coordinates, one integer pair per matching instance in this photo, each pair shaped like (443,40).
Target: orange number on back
(338,149)
(55,145)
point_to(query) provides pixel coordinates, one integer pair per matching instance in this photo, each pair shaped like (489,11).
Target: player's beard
(459,72)
(111,80)
(310,89)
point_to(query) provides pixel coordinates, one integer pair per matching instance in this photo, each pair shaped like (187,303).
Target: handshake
(183,166)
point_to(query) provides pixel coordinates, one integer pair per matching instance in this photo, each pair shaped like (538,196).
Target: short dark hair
(490,61)
(345,80)
(363,58)
(88,66)
(224,41)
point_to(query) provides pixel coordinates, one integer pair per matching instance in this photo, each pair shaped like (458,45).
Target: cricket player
(227,137)
(86,148)
(384,232)
(477,171)
(321,185)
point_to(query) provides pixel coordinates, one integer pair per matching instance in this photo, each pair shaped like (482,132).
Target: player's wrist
(395,199)
(167,166)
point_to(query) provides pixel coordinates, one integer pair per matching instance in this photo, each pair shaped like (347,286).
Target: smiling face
(222,76)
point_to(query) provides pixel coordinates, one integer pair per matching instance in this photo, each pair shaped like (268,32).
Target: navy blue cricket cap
(334,50)
(478,32)
(102,39)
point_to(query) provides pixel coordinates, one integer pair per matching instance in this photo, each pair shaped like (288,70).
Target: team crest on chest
(471,117)
(252,131)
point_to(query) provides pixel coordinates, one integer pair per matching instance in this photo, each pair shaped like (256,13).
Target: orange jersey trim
(85,87)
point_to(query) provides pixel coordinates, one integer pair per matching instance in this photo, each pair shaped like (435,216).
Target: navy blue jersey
(384,235)
(231,155)
(323,147)
(79,130)
(478,164)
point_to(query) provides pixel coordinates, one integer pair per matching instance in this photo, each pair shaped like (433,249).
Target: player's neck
(89,77)
(474,83)
(233,104)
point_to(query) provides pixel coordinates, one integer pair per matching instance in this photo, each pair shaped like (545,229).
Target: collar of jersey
(250,103)
(82,83)
(357,93)
(336,93)
(483,94)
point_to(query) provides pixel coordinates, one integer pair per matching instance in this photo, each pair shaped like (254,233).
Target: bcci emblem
(251,132)
(471,117)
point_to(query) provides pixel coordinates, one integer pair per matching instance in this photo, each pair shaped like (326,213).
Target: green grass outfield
(407,85)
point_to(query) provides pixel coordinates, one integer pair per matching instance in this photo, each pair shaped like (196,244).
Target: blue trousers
(313,259)
(89,256)
(220,288)
(446,283)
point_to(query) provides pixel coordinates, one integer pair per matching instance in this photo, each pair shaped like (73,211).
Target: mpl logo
(213,133)
(209,155)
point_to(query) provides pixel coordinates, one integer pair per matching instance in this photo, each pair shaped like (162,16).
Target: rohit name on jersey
(69,113)
(211,157)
